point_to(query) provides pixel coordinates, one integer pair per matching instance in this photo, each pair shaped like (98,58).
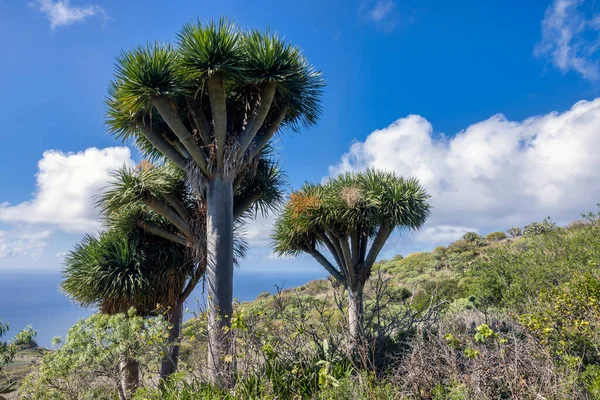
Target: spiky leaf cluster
(118,270)
(244,59)
(359,203)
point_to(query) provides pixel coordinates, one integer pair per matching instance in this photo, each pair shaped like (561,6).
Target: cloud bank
(495,173)
(66,187)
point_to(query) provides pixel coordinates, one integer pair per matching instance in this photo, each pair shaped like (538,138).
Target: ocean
(33,298)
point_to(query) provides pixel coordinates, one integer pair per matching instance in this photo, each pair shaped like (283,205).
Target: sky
(493,106)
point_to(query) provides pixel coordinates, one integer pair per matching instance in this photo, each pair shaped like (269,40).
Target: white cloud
(22,244)
(62,13)
(496,173)
(381,13)
(381,10)
(258,231)
(66,187)
(570,38)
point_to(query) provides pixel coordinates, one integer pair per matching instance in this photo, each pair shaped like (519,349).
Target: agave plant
(210,105)
(352,216)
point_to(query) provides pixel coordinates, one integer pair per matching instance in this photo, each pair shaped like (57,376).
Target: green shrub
(567,318)
(514,232)
(472,237)
(539,228)
(495,236)
(87,364)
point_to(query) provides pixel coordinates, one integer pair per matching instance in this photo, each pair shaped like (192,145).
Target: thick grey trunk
(355,316)
(130,377)
(169,364)
(219,275)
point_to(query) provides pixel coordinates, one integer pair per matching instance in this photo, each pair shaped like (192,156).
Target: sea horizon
(33,297)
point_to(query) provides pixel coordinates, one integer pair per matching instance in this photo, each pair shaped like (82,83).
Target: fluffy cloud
(27,244)
(258,231)
(62,13)
(66,187)
(496,173)
(570,39)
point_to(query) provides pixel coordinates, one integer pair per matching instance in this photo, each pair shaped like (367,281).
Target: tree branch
(166,212)
(179,206)
(199,120)
(267,92)
(364,241)
(157,140)
(242,206)
(348,258)
(332,249)
(218,105)
(158,231)
(263,138)
(327,265)
(191,285)
(382,235)
(164,106)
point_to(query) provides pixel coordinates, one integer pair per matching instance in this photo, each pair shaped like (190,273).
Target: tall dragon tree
(149,197)
(210,104)
(351,216)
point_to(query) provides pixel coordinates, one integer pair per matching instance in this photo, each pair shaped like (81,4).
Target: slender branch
(267,92)
(218,105)
(242,206)
(158,231)
(382,235)
(178,205)
(165,108)
(332,249)
(179,146)
(327,265)
(334,239)
(354,247)
(199,120)
(263,138)
(191,285)
(348,258)
(157,140)
(364,241)
(166,212)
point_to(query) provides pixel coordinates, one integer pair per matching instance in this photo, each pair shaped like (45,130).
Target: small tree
(514,232)
(343,216)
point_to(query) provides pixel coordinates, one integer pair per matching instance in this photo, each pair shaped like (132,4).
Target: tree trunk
(130,376)
(219,276)
(355,316)
(169,364)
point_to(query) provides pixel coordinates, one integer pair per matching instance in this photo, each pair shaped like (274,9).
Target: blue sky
(481,101)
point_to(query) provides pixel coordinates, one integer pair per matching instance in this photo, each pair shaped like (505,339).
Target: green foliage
(513,274)
(472,237)
(567,318)
(25,337)
(539,228)
(87,364)
(495,236)
(364,203)
(514,232)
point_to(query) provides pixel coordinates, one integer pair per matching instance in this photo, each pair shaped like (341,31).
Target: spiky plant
(149,197)
(351,216)
(210,104)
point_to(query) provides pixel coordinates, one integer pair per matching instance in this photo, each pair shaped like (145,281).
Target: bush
(514,232)
(539,228)
(472,237)
(465,358)
(567,318)
(87,366)
(495,236)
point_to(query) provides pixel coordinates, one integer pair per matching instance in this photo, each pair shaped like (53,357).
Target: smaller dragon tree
(352,216)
